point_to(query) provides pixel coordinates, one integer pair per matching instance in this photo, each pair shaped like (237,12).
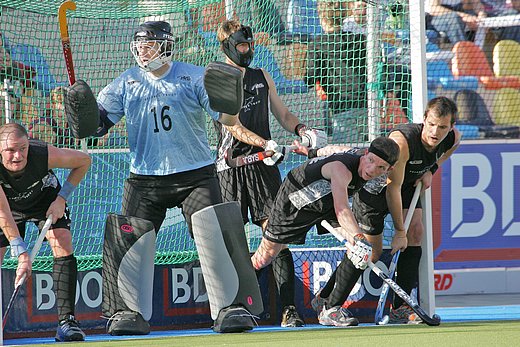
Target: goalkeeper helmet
(152,45)
(229,46)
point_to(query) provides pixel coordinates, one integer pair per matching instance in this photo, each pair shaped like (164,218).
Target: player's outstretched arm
(340,177)
(395,181)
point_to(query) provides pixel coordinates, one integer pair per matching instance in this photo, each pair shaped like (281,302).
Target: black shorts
(149,197)
(253,186)
(370,210)
(287,224)
(38,218)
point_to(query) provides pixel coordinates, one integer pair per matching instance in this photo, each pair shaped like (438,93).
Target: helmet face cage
(152,45)
(229,45)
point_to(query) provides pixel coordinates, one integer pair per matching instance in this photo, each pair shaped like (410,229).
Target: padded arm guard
(81,109)
(223,83)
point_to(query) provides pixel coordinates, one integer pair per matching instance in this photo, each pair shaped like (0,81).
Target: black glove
(223,83)
(81,109)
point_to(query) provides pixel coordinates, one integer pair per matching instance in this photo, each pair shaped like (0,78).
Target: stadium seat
(33,57)
(506,58)
(469,132)
(506,106)
(439,74)
(391,113)
(470,60)
(473,111)
(265,59)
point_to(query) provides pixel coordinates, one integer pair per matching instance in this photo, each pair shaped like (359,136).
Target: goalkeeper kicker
(171,166)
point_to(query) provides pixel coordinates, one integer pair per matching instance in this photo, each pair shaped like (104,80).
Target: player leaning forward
(318,190)
(165,105)
(31,192)
(423,147)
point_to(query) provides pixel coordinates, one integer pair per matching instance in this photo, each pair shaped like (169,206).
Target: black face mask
(229,46)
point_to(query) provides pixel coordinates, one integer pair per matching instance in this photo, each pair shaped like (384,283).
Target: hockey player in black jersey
(255,186)
(423,147)
(30,192)
(318,190)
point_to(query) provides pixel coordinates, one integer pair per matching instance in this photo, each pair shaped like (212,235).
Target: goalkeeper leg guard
(346,277)
(65,275)
(407,271)
(128,271)
(229,276)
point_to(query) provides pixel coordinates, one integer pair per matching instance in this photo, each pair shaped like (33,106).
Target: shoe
(337,316)
(317,303)
(68,330)
(127,323)
(291,318)
(403,315)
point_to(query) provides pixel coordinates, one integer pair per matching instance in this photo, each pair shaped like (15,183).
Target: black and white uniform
(31,192)
(305,198)
(370,205)
(254,186)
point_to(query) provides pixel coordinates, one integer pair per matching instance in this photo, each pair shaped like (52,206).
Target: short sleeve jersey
(420,160)
(306,188)
(165,118)
(35,186)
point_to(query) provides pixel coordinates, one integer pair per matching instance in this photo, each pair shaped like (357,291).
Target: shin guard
(226,265)
(128,265)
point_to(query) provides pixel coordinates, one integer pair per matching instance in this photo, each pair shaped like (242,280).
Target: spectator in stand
(336,66)
(457,19)
(504,8)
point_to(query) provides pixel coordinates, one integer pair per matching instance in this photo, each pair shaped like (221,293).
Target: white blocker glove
(361,252)
(314,138)
(277,157)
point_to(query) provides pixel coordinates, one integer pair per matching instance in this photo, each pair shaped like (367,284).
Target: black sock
(407,276)
(283,269)
(329,286)
(65,274)
(346,277)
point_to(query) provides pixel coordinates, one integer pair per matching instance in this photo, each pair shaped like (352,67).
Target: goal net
(342,66)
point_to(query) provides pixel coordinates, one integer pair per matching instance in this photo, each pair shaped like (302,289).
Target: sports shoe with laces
(318,303)
(403,315)
(127,323)
(337,316)
(68,330)
(291,318)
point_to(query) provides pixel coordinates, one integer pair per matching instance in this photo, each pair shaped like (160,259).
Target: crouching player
(422,148)
(30,192)
(318,190)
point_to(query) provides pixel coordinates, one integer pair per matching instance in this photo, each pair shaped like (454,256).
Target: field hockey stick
(67,51)
(433,321)
(32,256)
(247,159)
(393,264)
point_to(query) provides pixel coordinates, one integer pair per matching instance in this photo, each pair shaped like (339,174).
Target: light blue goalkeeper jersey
(165,118)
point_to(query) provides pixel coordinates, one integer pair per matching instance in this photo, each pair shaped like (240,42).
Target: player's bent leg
(60,241)
(128,272)
(265,254)
(233,291)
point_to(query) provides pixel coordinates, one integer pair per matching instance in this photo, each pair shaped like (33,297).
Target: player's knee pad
(128,265)
(224,256)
